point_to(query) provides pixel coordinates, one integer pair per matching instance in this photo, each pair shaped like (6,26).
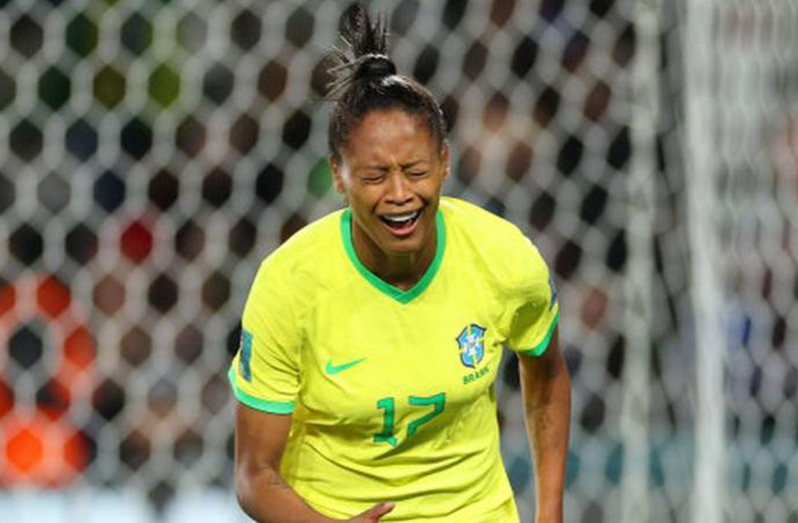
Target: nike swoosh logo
(335,369)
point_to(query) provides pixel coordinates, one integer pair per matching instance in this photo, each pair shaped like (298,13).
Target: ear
(335,169)
(445,159)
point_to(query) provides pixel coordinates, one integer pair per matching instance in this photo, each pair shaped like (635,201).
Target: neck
(400,270)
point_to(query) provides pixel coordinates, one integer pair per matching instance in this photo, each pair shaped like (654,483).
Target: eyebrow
(374,167)
(378,167)
(411,164)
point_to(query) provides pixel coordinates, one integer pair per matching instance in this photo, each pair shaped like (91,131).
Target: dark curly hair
(365,80)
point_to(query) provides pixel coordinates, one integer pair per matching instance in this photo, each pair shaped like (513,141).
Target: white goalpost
(638,288)
(701,173)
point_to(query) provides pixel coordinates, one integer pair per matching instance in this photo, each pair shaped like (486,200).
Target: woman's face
(392,171)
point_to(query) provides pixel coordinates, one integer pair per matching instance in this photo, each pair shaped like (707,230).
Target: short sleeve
(535,304)
(264,374)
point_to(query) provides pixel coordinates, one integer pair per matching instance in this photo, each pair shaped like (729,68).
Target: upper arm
(260,439)
(537,371)
(260,436)
(264,376)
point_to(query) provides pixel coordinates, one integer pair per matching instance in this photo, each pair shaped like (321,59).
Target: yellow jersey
(390,390)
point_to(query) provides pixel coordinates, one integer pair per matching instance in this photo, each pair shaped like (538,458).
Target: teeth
(401,218)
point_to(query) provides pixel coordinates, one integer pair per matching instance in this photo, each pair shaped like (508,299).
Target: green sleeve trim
(385,287)
(272,407)
(541,347)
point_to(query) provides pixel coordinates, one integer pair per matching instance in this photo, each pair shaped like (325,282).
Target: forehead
(386,134)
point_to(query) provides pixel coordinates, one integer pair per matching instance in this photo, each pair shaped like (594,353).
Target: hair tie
(375,66)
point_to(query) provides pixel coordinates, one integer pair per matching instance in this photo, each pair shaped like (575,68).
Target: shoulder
(484,232)
(481,226)
(308,245)
(492,243)
(460,212)
(304,263)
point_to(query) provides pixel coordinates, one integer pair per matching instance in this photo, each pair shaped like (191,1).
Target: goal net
(152,152)
(746,103)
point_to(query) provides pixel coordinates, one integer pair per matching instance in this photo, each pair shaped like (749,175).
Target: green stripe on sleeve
(541,347)
(272,407)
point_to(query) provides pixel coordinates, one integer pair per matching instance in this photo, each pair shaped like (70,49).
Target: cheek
(433,186)
(361,197)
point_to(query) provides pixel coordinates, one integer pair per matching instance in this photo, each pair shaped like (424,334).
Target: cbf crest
(472,345)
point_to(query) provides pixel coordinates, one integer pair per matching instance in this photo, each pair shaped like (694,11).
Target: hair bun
(375,66)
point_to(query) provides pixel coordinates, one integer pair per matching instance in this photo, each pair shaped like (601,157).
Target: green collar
(384,287)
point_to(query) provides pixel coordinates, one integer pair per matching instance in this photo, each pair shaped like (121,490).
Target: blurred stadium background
(152,152)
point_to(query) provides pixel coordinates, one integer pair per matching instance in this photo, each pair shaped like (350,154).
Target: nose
(399,192)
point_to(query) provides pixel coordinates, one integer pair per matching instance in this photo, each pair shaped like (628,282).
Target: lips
(401,224)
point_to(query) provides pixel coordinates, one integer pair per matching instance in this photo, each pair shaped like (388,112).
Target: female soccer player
(372,338)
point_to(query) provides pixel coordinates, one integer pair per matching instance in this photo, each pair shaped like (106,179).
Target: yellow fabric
(391,392)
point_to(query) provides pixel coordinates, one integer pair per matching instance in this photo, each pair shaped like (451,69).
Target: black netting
(153,152)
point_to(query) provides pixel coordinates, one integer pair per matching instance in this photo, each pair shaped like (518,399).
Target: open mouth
(401,223)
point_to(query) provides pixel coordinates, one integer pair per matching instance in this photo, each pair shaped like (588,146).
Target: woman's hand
(373,514)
